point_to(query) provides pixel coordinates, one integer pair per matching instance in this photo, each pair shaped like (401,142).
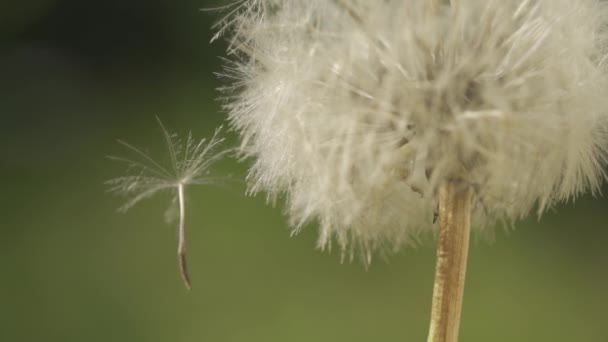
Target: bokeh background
(76,75)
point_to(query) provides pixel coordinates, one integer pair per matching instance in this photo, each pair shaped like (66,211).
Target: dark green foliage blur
(76,75)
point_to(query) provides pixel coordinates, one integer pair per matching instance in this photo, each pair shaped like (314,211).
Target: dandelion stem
(452,251)
(434,6)
(181,238)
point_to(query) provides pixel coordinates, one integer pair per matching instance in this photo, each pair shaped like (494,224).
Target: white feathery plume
(374,118)
(360,110)
(190,161)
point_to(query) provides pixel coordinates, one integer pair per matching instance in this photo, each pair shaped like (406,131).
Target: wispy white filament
(358,110)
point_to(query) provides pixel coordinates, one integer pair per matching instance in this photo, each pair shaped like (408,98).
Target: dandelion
(374,118)
(190,162)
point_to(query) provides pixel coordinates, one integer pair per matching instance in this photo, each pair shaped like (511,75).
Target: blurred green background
(76,75)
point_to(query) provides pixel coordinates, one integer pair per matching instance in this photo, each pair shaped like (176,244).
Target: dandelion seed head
(359,110)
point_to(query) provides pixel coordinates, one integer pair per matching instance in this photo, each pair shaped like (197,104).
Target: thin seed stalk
(181,238)
(452,251)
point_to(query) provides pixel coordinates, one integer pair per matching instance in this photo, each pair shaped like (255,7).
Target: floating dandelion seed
(190,162)
(373,117)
